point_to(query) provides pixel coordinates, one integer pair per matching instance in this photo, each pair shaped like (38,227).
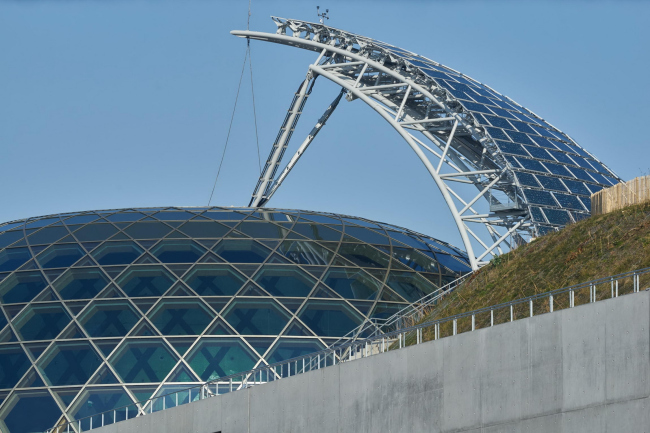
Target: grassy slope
(593,248)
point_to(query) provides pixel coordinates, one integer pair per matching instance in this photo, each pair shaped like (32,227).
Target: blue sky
(111,104)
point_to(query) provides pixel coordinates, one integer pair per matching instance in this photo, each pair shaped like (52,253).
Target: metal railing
(567,297)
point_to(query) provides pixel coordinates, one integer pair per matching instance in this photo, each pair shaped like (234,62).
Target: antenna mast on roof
(322,16)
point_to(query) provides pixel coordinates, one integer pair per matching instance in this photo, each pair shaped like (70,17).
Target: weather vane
(322,16)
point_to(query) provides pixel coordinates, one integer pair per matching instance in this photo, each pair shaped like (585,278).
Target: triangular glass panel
(208,243)
(291,304)
(210,258)
(316,271)
(120,236)
(217,303)
(66,395)
(86,261)
(179,290)
(181,344)
(329,245)
(46,295)
(275,258)
(261,345)
(110,292)
(235,234)
(143,330)
(67,239)
(29,265)
(36,349)
(247,269)
(362,306)
(31,380)
(122,225)
(146,258)
(20,243)
(298,329)
(72,332)
(142,393)
(182,374)
(114,271)
(324,292)
(175,224)
(147,244)
(104,376)
(13,310)
(7,335)
(106,346)
(293,235)
(37,249)
(144,304)
(377,273)
(219,328)
(251,289)
(176,235)
(89,246)
(149,219)
(388,295)
(54,274)
(77,306)
(230,223)
(271,244)
(179,269)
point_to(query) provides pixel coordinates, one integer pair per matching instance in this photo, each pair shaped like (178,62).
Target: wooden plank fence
(635,191)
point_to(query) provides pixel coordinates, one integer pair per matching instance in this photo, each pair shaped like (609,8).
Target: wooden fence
(635,191)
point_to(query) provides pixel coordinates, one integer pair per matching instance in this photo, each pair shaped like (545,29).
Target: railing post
(455,325)
(114,417)
(491,317)
(571,299)
(530,303)
(436,329)
(617,288)
(473,322)
(550,303)
(612,286)
(383,343)
(231,384)
(512,313)
(102,419)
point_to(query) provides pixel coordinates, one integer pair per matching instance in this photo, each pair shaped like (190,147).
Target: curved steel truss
(506,175)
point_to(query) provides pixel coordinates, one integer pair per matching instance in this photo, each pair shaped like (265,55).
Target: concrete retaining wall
(580,370)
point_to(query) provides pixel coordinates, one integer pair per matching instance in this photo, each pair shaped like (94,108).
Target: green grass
(597,247)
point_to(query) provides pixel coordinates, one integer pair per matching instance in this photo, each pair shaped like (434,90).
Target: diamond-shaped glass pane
(82,283)
(181,317)
(60,256)
(18,411)
(22,287)
(94,401)
(281,280)
(352,283)
(13,258)
(213,358)
(13,364)
(145,281)
(241,251)
(409,285)
(305,252)
(109,318)
(287,348)
(178,251)
(69,363)
(143,360)
(41,321)
(214,280)
(117,253)
(364,255)
(330,318)
(256,316)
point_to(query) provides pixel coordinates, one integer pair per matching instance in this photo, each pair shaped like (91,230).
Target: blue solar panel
(581,162)
(581,174)
(543,142)
(527,179)
(480,119)
(481,91)
(576,187)
(525,118)
(503,104)
(474,106)
(599,178)
(498,121)
(543,230)
(537,215)
(519,137)
(512,160)
(445,84)
(514,148)
(598,166)
(593,188)
(532,164)
(561,157)
(557,216)
(481,99)
(551,183)
(611,180)
(580,151)
(539,197)
(587,202)
(538,152)
(562,146)
(459,94)
(523,127)
(543,131)
(497,133)
(436,74)
(568,201)
(557,169)
(503,113)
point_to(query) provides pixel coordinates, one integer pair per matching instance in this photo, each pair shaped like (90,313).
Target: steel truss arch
(465,151)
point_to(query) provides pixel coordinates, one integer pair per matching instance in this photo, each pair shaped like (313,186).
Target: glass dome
(101,309)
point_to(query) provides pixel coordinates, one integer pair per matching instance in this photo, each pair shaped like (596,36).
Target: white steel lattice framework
(506,175)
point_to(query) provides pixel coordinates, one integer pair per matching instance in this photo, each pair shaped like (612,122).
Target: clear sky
(111,104)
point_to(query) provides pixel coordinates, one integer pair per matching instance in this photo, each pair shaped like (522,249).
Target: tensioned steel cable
(223,155)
